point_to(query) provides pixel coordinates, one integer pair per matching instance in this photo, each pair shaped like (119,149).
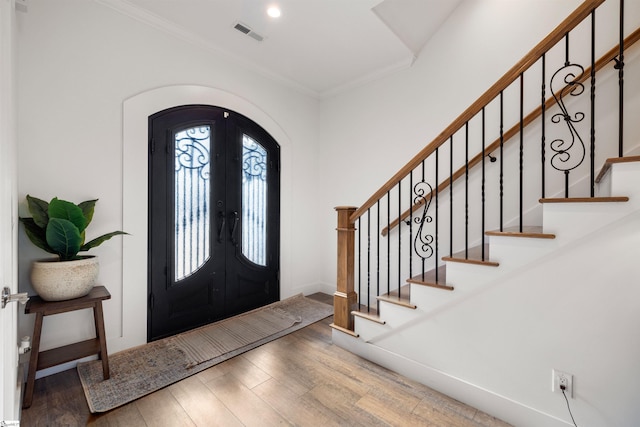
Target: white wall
(78,63)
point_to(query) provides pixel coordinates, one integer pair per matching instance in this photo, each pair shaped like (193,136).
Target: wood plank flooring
(301,379)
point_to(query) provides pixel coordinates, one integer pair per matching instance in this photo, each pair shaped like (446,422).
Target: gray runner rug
(142,370)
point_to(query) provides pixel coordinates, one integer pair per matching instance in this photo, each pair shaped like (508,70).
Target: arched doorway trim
(136,111)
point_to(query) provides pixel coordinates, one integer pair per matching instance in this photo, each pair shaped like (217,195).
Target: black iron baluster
(389,242)
(520,206)
(377,254)
(593,102)
(542,117)
(368,260)
(482,237)
(423,180)
(566,63)
(620,67)
(437,223)
(359,231)
(451,196)
(399,239)
(410,241)
(501,160)
(466,190)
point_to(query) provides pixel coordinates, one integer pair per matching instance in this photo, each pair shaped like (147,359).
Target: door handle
(7,297)
(234,227)
(223,219)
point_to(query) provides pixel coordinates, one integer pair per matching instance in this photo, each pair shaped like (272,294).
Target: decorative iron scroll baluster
(569,153)
(423,241)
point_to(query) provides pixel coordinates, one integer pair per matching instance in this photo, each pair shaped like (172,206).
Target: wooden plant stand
(46,359)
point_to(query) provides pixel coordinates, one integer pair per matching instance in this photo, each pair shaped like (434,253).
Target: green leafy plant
(59,226)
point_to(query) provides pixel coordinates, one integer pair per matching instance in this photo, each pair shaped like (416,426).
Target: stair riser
(367,329)
(624,180)
(513,252)
(570,221)
(395,315)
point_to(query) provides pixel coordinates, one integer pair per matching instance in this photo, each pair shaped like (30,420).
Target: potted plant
(58,227)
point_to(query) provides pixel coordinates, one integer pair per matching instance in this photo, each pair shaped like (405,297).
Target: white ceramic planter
(54,280)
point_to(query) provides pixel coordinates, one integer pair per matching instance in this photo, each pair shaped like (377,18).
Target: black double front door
(214,217)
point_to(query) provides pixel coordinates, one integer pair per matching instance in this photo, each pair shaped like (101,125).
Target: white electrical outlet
(560,379)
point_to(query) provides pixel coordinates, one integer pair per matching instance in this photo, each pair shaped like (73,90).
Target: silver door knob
(7,296)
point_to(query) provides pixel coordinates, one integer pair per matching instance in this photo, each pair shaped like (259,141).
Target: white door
(9,407)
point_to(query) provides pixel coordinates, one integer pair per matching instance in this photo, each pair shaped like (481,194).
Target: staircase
(545,281)
(481,292)
(566,223)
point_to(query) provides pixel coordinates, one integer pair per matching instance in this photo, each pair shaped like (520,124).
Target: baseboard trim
(494,404)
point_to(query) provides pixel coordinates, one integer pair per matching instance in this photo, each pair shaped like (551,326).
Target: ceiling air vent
(244,29)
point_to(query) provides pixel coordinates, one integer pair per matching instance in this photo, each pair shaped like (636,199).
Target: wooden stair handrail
(525,63)
(510,133)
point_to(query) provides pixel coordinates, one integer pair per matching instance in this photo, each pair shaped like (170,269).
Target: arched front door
(214,215)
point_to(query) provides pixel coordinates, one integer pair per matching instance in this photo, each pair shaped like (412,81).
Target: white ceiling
(320,47)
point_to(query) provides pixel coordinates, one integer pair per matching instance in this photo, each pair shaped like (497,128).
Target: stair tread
(370,316)
(364,310)
(473,256)
(612,161)
(428,278)
(404,299)
(532,231)
(586,199)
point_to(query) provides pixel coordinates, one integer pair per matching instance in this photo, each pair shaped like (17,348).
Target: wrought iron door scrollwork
(569,153)
(254,160)
(423,242)
(191,152)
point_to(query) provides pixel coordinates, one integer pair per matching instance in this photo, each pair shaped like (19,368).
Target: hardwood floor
(301,379)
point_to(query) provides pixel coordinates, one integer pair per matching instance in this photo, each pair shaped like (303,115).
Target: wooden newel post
(345,299)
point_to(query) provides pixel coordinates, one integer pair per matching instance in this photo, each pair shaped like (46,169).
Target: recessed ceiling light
(274,12)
